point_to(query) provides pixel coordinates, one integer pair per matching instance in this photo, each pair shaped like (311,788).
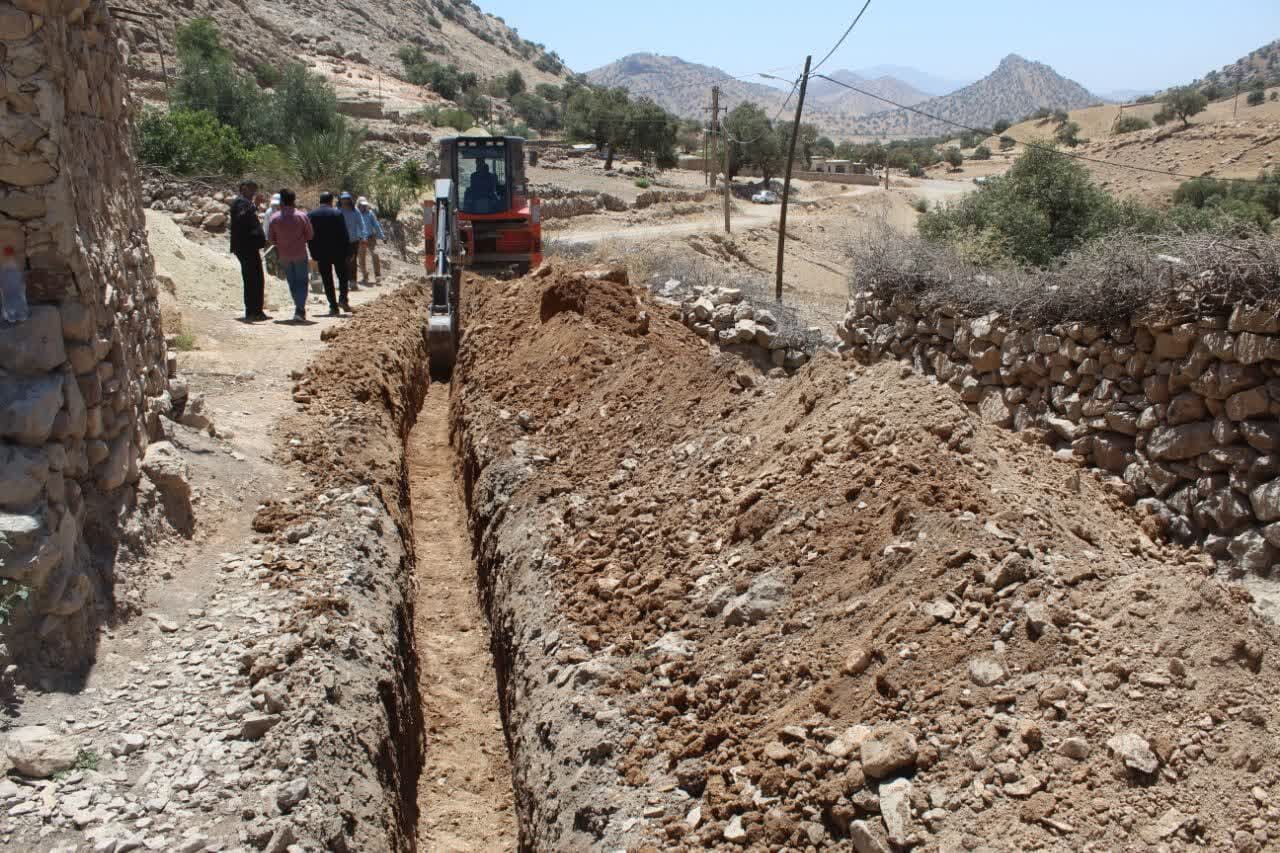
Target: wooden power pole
(786,181)
(724,144)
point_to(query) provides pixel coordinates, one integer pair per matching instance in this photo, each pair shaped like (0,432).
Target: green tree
(1131,123)
(982,152)
(824,147)
(599,116)
(652,133)
(301,104)
(189,142)
(513,83)
(1000,126)
(536,112)
(953,157)
(1044,206)
(1257,93)
(1182,103)
(806,143)
(752,141)
(1068,133)
(200,40)
(1008,143)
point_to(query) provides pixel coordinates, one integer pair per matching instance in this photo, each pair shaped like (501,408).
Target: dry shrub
(1109,280)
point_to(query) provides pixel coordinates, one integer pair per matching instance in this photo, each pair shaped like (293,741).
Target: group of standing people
(336,238)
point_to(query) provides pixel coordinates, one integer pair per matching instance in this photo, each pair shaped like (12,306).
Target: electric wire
(985,132)
(842,38)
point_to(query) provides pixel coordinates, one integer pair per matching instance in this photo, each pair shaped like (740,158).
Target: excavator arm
(443,256)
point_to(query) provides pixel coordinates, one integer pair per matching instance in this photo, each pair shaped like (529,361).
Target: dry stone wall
(84,380)
(1182,415)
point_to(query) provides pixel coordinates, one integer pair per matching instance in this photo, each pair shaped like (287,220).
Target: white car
(765,197)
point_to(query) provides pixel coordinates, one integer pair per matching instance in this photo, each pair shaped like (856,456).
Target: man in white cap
(372,233)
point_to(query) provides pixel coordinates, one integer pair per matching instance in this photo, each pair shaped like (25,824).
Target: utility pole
(707,165)
(786,181)
(1235,108)
(724,144)
(715,128)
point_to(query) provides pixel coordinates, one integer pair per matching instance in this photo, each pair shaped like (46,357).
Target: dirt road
(745,216)
(464,793)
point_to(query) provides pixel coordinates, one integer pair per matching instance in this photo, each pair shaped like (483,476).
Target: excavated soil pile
(830,610)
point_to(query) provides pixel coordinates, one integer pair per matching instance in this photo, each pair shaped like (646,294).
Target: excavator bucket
(442,327)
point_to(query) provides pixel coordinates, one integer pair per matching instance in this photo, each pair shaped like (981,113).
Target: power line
(843,37)
(985,132)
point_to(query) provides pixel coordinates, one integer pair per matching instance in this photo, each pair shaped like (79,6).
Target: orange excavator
(483,219)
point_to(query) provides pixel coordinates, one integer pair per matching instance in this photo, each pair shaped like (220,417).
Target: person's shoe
(299,317)
(260,317)
(346,307)
(334,312)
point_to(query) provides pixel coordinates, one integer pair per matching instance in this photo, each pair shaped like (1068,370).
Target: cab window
(482,177)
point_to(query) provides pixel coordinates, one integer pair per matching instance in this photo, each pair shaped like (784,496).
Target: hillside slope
(684,88)
(1222,142)
(1016,88)
(360,37)
(1262,64)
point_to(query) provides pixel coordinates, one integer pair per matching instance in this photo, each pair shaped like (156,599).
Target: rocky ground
(839,609)
(212,718)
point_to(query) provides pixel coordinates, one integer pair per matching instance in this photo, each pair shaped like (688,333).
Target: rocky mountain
(828,97)
(1016,88)
(362,37)
(1262,64)
(684,88)
(930,84)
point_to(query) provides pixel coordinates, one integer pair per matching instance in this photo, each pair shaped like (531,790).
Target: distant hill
(1262,64)
(1124,96)
(930,84)
(828,97)
(1015,89)
(684,88)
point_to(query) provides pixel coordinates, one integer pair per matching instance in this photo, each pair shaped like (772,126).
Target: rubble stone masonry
(82,382)
(1182,414)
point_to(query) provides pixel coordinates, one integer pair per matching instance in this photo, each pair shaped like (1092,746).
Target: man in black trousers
(329,247)
(247,240)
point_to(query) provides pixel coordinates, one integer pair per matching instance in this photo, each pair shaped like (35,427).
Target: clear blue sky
(1102,44)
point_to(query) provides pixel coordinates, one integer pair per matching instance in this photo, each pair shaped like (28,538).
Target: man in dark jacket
(247,240)
(329,247)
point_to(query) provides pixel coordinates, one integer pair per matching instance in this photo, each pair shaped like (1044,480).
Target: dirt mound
(838,609)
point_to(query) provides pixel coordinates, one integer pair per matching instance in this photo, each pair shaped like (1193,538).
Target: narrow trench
(465,798)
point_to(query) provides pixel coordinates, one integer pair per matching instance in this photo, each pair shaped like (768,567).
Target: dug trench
(727,610)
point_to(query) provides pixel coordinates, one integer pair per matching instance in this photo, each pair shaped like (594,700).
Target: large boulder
(38,752)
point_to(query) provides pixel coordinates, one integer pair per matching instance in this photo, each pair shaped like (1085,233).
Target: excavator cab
(482,218)
(500,223)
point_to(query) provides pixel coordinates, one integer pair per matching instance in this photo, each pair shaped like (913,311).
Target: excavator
(483,219)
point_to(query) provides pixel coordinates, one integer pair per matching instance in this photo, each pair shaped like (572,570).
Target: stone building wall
(82,382)
(1183,415)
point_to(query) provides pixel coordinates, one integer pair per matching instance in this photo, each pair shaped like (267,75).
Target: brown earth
(761,567)
(464,794)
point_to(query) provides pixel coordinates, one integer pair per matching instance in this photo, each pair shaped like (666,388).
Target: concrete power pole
(786,181)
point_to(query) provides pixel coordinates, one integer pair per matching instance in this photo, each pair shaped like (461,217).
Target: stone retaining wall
(1182,415)
(725,317)
(84,380)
